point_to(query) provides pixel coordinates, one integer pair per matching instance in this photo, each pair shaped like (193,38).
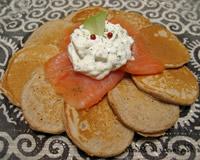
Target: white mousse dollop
(97,57)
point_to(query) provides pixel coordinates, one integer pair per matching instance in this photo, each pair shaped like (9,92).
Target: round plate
(19,18)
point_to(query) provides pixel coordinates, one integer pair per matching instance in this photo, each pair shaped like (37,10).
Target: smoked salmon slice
(143,64)
(82,91)
(78,90)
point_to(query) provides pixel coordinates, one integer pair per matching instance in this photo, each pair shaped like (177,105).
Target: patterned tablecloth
(19,18)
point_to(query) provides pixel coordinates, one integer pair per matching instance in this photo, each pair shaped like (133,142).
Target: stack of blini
(147,105)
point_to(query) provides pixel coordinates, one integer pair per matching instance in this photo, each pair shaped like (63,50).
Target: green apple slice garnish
(96,24)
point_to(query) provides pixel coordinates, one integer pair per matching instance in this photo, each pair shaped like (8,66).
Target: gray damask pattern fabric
(19,18)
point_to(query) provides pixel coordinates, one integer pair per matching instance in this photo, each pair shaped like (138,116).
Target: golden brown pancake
(41,107)
(81,15)
(20,67)
(97,131)
(52,32)
(151,134)
(135,19)
(163,45)
(8,94)
(140,111)
(178,86)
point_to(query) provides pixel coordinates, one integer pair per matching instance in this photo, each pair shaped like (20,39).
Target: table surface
(19,18)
